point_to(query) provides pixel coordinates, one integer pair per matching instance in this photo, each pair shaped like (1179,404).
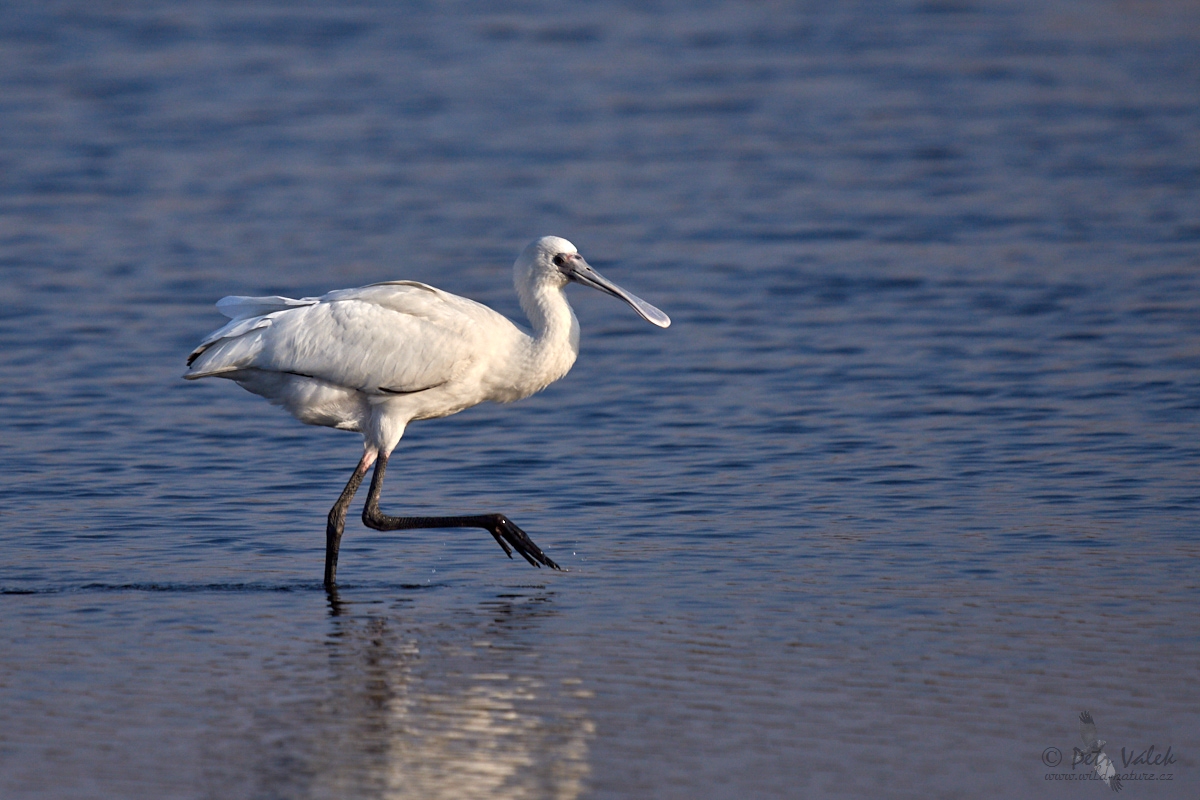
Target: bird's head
(539,262)
(553,261)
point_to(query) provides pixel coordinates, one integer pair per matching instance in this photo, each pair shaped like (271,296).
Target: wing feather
(238,308)
(395,338)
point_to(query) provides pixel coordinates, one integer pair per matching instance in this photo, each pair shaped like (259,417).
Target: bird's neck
(555,342)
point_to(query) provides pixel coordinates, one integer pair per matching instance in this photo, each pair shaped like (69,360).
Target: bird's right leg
(337,517)
(503,530)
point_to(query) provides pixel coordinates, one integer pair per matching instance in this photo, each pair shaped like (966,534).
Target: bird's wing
(1087,730)
(239,308)
(394,338)
(1107,771)
(246,314)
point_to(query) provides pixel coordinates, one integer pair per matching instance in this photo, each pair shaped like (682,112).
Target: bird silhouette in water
(1094,751)
(376,358)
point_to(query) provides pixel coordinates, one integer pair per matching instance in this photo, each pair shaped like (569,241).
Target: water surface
(911,481)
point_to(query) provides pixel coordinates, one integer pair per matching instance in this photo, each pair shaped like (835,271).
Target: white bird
(375,358)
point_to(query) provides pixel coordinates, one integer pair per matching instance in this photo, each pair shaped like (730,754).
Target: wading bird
(376,358)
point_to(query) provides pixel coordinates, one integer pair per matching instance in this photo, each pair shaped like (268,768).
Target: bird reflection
(456,711)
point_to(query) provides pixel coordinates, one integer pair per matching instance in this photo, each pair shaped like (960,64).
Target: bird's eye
(560,260)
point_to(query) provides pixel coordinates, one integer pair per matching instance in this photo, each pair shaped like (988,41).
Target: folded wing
(390,338)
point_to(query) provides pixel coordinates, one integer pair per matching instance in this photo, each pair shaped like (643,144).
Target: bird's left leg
(337,517)
(502,529)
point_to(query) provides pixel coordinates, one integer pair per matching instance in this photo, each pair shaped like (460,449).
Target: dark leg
(337,521)
(499,526)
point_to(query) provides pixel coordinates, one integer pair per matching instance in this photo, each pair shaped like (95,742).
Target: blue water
(912,480)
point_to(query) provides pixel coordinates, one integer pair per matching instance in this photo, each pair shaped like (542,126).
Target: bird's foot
(506,533)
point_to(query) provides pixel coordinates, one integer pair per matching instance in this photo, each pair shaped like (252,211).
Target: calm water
(912,481)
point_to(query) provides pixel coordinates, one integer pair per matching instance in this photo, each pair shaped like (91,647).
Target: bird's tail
(236,345)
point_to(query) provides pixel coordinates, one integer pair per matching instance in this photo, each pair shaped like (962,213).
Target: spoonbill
(374,359)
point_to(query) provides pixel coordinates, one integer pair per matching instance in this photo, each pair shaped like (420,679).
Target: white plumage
(375,358)
(1094,753)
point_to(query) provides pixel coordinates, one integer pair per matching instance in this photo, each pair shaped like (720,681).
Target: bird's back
(385,340)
